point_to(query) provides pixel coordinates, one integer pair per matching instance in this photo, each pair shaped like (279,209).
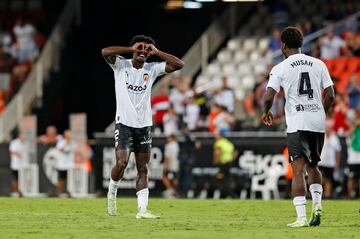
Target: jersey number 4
(305,86)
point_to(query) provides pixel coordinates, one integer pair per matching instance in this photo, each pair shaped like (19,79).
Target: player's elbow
(104,52)
(179,65)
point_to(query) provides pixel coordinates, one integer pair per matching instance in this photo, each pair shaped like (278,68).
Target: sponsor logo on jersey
(308,108)
(136,88)
(146,76)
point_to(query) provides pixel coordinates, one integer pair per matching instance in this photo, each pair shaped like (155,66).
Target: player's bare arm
(172,62)
(329,96)
(109,53)
(267,116)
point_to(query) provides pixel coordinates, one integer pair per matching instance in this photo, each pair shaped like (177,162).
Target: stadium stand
(23,30)
(250,54)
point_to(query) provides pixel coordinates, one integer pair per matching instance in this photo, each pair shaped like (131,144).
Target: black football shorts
(306,144)
(137,140)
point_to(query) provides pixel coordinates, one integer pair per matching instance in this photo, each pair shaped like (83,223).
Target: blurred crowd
(20,42)
(68,154)
(179,105)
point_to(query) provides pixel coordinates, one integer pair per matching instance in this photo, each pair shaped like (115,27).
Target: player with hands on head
(133,82)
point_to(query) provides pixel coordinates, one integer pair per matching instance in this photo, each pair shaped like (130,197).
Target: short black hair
(15,133)
(142,38)
(292,37)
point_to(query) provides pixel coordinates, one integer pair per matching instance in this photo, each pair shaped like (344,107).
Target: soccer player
(133,81)
(303,78)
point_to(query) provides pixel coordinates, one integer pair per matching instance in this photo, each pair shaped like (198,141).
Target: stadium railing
(48,60)
(217,33)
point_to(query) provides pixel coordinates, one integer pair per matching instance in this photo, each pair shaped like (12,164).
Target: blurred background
(57,98)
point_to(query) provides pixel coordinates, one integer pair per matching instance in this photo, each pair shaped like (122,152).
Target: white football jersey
(133,91)
(303,78)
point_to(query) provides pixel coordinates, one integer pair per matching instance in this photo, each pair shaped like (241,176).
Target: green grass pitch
(86,218)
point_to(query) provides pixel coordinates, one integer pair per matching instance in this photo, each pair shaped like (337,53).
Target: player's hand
(137,47)
(151,49)
(267,118)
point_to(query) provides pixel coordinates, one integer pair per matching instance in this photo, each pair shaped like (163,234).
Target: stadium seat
(229,68)
(202,79)
(239,93)
(240,56)
(245,69)
(249,44)
(344,78)
(248,81)
(234,44)
(339,66)
(329,64)
(233,81)
(260,68)
(2,105)
(263,44)
(213,69)
(255,55)
(224,56)
(353,64)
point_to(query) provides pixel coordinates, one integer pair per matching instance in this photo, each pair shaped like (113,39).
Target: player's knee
(121,163)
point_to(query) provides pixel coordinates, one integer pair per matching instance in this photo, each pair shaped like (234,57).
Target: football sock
(316,191)
(142,198)
(300,206)
(113,186)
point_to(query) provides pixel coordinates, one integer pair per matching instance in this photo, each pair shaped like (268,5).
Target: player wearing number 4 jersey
(133,81)
(309,95)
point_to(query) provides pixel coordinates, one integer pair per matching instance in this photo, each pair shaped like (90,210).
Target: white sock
(316,193)
(113,186)
(300,206)
(142,198)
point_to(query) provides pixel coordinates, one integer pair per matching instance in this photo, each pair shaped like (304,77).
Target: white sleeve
(337,144)
(167,151)
(159,68)
(325,77)
(13,147)
(274,80)
(119,63)
(60,144)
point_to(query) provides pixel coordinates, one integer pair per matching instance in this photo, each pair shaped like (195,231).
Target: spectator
(26,49)
(341,125)
(224,154)
(192,113)
(67,148)
(20,159)
(330,46)
(275,41)
(330,159)
(170,122)
(224,120)
(6,65)
(353,90)
(354,156)
(214,112)
(171,166)
(178,97)
(307,30)
(160,104)
(51,136)
(225,96)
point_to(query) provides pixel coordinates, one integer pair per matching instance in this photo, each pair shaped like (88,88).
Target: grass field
(86,218)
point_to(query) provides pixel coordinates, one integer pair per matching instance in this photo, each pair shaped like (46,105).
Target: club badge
(146,76)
